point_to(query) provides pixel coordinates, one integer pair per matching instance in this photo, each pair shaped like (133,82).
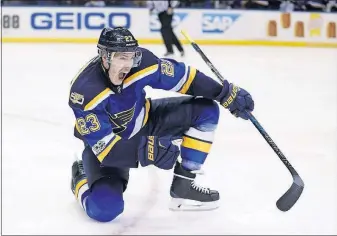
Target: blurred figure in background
(287,6)
(262,4)
(315,5)
(331,6)
(15,2)
(164,9)
(108,3)
(95,4)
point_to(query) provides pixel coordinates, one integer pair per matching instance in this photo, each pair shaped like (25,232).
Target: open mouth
(121,75)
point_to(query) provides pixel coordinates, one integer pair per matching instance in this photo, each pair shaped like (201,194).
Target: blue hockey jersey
(104,117)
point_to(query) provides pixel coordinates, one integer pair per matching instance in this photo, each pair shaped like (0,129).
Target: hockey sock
(190,165)
(82,191)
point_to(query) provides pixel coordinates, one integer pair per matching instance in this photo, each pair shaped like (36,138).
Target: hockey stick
(289,198)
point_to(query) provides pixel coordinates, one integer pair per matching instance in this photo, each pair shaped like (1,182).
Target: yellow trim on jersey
(189,81)
(79,185)
(97,98)
(80,71)
(104,153)
(147,109)
(140,73)
(196,144)
(78,128)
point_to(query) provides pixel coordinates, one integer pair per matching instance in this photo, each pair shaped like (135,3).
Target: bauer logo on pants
(150,154)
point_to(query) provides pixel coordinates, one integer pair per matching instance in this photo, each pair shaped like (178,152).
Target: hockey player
(122,129)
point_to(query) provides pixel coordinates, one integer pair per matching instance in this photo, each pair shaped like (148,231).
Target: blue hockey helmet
(118,39)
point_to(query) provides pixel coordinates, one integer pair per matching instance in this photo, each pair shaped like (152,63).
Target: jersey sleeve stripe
(138,122)
(189,81)
(105,152)
(139,75)
(141,119)
(102,144)
(181,81)
(98,99)
(147,110)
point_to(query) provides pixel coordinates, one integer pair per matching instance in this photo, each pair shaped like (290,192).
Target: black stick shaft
(251,117)
(271,143)
(289,198)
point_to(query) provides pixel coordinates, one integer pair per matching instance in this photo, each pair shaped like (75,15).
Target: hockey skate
(187,195)
(79,177)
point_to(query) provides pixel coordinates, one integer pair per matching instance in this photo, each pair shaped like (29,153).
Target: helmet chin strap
(109,56)
(106,71)
(115,88)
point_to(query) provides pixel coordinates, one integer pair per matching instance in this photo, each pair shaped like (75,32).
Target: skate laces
(200,188)
(197,187)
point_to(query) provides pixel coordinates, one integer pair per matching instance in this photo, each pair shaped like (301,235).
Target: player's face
(121,64)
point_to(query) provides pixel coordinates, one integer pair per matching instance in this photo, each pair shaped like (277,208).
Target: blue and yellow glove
(236,100)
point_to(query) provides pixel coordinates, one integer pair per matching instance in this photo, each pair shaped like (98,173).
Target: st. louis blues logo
(121,119)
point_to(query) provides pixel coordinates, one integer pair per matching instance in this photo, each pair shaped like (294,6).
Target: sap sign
(217,23)
(155,25)
(79,20)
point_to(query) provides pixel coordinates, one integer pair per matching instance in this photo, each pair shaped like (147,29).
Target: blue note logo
(178,18)
(218,23)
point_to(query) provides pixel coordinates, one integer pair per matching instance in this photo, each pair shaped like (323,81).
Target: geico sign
(79,20)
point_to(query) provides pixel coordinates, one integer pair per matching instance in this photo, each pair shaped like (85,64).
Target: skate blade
(179,204)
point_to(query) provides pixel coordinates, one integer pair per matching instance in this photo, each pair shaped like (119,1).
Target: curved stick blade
(288,200)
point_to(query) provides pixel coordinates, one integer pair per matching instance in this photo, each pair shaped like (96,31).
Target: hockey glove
(158,151)
(236,100)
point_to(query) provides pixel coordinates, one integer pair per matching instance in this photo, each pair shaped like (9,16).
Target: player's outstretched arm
(184,79)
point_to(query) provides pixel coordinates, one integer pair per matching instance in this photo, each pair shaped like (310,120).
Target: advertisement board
(213,27)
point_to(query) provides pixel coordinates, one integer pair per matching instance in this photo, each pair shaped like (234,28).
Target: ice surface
(296,102)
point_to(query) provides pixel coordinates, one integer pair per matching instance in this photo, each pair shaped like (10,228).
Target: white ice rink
(296,101)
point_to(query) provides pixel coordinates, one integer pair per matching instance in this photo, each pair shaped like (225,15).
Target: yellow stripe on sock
(79,185)
(196,144)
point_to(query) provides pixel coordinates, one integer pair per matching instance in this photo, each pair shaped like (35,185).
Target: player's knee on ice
(105,201)
(206,114)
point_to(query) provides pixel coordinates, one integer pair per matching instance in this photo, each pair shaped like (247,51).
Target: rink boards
(208,27)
